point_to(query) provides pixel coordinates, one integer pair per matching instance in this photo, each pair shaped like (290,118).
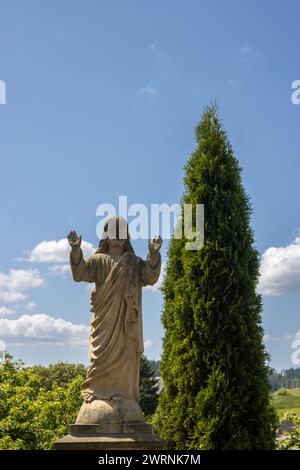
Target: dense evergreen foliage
(155,367)
(216,393)
(148,387)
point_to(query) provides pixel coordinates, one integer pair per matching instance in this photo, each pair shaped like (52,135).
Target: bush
(31,417)
(282,392)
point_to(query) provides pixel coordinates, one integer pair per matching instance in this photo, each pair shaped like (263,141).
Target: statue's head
(115,235)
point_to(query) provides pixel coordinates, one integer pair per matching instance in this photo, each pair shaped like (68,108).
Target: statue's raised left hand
(154,245)
(74,240)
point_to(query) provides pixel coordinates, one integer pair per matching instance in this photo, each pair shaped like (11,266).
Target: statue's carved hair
(103,244)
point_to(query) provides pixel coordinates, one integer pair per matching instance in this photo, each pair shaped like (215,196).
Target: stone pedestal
(127,436)
(113,424)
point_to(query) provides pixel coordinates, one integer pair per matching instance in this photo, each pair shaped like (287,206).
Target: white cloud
(59,269)
(2,350)
(269,338)
(53,251)
(90,287)
(14,284)
(6,311)
(155,50)
(247,54)
(30,306)
(42,328)
(148,90)
(232,81)
(148,344)
(158,284)
(280,269)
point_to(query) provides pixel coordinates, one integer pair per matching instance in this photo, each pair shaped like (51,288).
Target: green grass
(287,403)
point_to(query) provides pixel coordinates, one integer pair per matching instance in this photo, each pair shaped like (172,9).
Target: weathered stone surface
(286,426)
(110,417)
(116,340)
(112,442)
(115,411)
(134,436)
(120,428)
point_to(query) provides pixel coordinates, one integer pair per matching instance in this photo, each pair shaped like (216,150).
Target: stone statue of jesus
(116,339)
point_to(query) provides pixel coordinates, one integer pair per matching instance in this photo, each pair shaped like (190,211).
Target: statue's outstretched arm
(82,270)
(151,267)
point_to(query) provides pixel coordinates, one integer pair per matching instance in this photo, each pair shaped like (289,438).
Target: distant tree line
(155,367)
(287,378)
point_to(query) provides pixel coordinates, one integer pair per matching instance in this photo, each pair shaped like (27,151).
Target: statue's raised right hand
(74,240)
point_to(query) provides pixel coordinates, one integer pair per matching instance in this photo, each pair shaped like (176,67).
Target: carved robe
(116,339)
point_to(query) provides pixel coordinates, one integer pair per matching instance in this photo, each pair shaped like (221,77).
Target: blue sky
(102,98)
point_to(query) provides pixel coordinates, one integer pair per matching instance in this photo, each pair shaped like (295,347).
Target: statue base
(113,424)
(126,436)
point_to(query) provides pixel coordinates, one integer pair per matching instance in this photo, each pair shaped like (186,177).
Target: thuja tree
(216,393)
(148,387)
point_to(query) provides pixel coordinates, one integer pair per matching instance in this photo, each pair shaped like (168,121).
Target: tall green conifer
(216,394)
